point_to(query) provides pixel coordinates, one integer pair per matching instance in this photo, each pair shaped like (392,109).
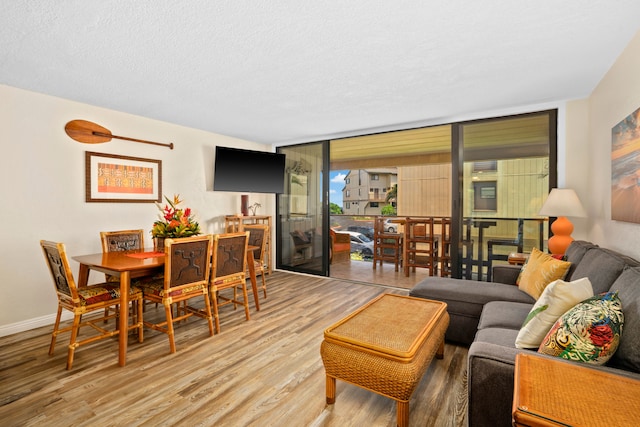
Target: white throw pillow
(556,299)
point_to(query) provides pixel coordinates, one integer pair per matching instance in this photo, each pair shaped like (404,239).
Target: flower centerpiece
(174,221)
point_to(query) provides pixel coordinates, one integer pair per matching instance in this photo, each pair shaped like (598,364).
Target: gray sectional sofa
(487,316)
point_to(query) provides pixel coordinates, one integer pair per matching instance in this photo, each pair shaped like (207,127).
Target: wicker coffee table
(385,346)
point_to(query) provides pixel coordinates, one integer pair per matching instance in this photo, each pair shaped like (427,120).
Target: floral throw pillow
(589,332)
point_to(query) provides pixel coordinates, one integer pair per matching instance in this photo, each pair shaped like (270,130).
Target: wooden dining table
(127,265)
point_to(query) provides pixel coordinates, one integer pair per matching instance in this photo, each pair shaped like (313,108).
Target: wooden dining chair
(420,245)
(258,235)
(186,276)
(123,240)
(387,246)
(81,301)
(229,272)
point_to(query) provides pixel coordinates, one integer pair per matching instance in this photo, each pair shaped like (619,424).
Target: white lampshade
(562,202)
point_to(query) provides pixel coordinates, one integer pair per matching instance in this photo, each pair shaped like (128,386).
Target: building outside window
(485,166)
(484,196)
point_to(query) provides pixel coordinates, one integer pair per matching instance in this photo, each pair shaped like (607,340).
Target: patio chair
(420,245)
(387,246)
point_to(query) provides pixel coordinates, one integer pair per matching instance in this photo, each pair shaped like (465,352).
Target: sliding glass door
(507,167)
(300,227)
(489,176)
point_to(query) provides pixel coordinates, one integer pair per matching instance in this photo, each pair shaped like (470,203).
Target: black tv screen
(248,171)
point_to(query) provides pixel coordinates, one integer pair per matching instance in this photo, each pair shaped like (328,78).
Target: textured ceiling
(283,71)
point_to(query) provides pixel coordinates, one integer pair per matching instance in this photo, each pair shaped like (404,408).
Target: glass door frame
(457,181)
(457,188)
(322,210)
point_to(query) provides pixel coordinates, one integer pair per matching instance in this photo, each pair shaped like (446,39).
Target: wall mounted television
(248,171)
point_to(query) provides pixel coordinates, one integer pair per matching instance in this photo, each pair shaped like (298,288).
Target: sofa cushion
(602,267)
(540,270)
(507,273)
(504,314)
(505,337)
(589,332)
(556,299)
(467,296)
(574,254)
(628,288)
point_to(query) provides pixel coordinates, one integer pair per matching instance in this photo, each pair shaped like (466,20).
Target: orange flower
(174,222)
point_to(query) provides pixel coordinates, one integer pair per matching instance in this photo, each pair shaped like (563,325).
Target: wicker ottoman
(385,346)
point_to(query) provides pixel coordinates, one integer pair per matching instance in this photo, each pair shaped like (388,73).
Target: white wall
(616,96)
(572,172)
(43,191)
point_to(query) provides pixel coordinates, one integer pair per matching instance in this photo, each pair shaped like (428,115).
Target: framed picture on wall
(298,194)
(625,169)
(120,179)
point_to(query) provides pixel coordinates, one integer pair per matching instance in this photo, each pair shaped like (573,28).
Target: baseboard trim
(34,323)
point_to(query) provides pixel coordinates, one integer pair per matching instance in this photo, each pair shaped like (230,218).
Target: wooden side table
(517,258)
(549,392)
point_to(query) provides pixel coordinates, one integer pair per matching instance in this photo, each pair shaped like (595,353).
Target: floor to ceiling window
(490,176)
(508,165)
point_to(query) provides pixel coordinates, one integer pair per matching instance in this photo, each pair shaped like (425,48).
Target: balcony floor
(362,271)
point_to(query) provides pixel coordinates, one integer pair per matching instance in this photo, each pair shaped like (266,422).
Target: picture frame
(625,169)
(111,178)
(298,194)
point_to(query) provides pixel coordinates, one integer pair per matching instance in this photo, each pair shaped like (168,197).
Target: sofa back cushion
(575,252)
(602,267)
(628,288)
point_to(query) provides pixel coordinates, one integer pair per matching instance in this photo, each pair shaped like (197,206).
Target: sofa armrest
(490,373)
(507,274)
(490,384)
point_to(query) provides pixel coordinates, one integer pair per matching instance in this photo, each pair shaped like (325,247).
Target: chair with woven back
(420,245)
(122,240)
(258,235)
(229,271)
(186,276)
(81,301)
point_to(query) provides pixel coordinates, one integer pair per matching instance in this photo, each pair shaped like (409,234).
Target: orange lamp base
(561,239)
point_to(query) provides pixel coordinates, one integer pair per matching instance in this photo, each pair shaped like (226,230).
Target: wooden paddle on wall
(92,133)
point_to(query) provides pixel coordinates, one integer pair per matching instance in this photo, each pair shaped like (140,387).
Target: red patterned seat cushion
(155,286)
(103,292)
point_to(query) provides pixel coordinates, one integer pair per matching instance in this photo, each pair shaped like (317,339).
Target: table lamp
(561,203)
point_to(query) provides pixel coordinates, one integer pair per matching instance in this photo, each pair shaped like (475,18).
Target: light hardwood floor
(264,372)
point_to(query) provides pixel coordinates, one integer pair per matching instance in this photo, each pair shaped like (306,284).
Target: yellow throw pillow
(540,270)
